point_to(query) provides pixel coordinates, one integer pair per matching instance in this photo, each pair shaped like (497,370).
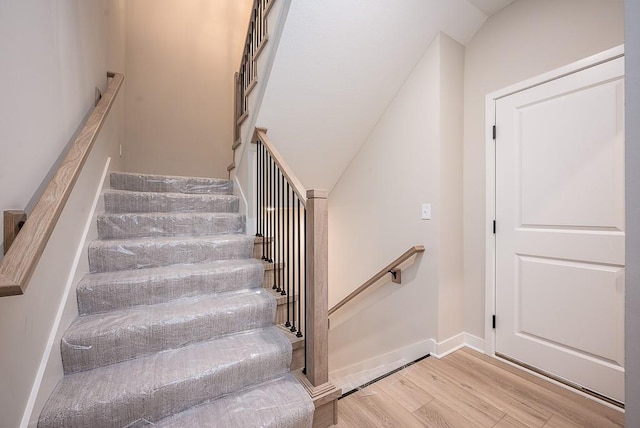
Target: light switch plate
(426,211)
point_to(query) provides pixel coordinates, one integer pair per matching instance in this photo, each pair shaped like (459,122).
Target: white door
(560,228)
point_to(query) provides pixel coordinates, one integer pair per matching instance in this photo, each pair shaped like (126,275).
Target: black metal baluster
(272,211)
(265,234)
(287,257)
(258,185)
(267,195)
(276,235)
(295,227)
(283,266)
(302,251)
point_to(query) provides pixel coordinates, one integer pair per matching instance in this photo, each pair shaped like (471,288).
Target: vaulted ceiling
(339,65)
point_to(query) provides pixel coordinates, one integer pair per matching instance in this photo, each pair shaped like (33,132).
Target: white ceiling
(490,7)
(339,65)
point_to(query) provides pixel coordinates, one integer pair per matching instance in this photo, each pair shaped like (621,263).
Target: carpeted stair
(175,329)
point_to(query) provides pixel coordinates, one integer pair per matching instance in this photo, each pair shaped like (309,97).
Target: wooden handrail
(378,276)
(298,188)
(18,265)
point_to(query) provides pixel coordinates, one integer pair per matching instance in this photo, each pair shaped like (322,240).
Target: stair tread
(100,292)
(153,387)
(133,225)
(169,239)
(171,194)
(128,201)
(143,253)
(281,402)
(175,183)
(160,214)
(97,340)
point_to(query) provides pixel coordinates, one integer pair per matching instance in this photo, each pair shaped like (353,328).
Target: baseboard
(474,342)
(351,377)
(461,340)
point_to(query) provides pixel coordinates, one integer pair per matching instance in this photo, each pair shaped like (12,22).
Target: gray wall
(632,53)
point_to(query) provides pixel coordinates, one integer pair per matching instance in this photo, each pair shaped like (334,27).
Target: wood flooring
(469,389)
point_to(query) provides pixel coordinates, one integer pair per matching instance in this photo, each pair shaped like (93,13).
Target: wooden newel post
(317,328)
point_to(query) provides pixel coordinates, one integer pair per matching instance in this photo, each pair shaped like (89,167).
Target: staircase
(175,327)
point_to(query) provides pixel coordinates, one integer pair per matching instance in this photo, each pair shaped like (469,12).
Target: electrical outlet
(426,211)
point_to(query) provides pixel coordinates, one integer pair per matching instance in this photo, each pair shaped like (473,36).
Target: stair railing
(247,76)
(393,269)
(22,257)
(293,224)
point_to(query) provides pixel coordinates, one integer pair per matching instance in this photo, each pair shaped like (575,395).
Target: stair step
(169,183)
(150,388)
(124,201)
(98,340)
(282,402)
(138,225)
(101,292)
(116,255)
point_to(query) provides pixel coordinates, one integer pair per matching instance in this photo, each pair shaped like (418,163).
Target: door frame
(490,171)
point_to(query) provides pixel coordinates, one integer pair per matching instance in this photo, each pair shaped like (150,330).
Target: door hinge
(494,226)
(493,322)
(494,132)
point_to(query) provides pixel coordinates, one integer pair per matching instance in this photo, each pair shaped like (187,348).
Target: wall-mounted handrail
(22,258)
(389,269)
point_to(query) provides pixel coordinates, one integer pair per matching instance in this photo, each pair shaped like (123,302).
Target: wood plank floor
(469,389)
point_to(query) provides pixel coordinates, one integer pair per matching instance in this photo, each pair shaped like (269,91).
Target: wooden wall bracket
(13,221)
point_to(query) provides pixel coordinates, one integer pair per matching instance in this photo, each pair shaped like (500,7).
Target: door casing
(490,237)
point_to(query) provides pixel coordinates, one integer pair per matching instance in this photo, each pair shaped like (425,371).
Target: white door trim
(490,242)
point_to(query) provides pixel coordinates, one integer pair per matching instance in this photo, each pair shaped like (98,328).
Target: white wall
(451,280)
(180,59)
(632,328)
(525,39)
(412,156)
(54,53)
(339,65)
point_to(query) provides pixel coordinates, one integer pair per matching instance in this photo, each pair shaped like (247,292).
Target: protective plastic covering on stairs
(99,340)
(277,403)
(122,201)
(101,292)
(146,388)
(175,327)
(116,255)
(169,183)
(118,226)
